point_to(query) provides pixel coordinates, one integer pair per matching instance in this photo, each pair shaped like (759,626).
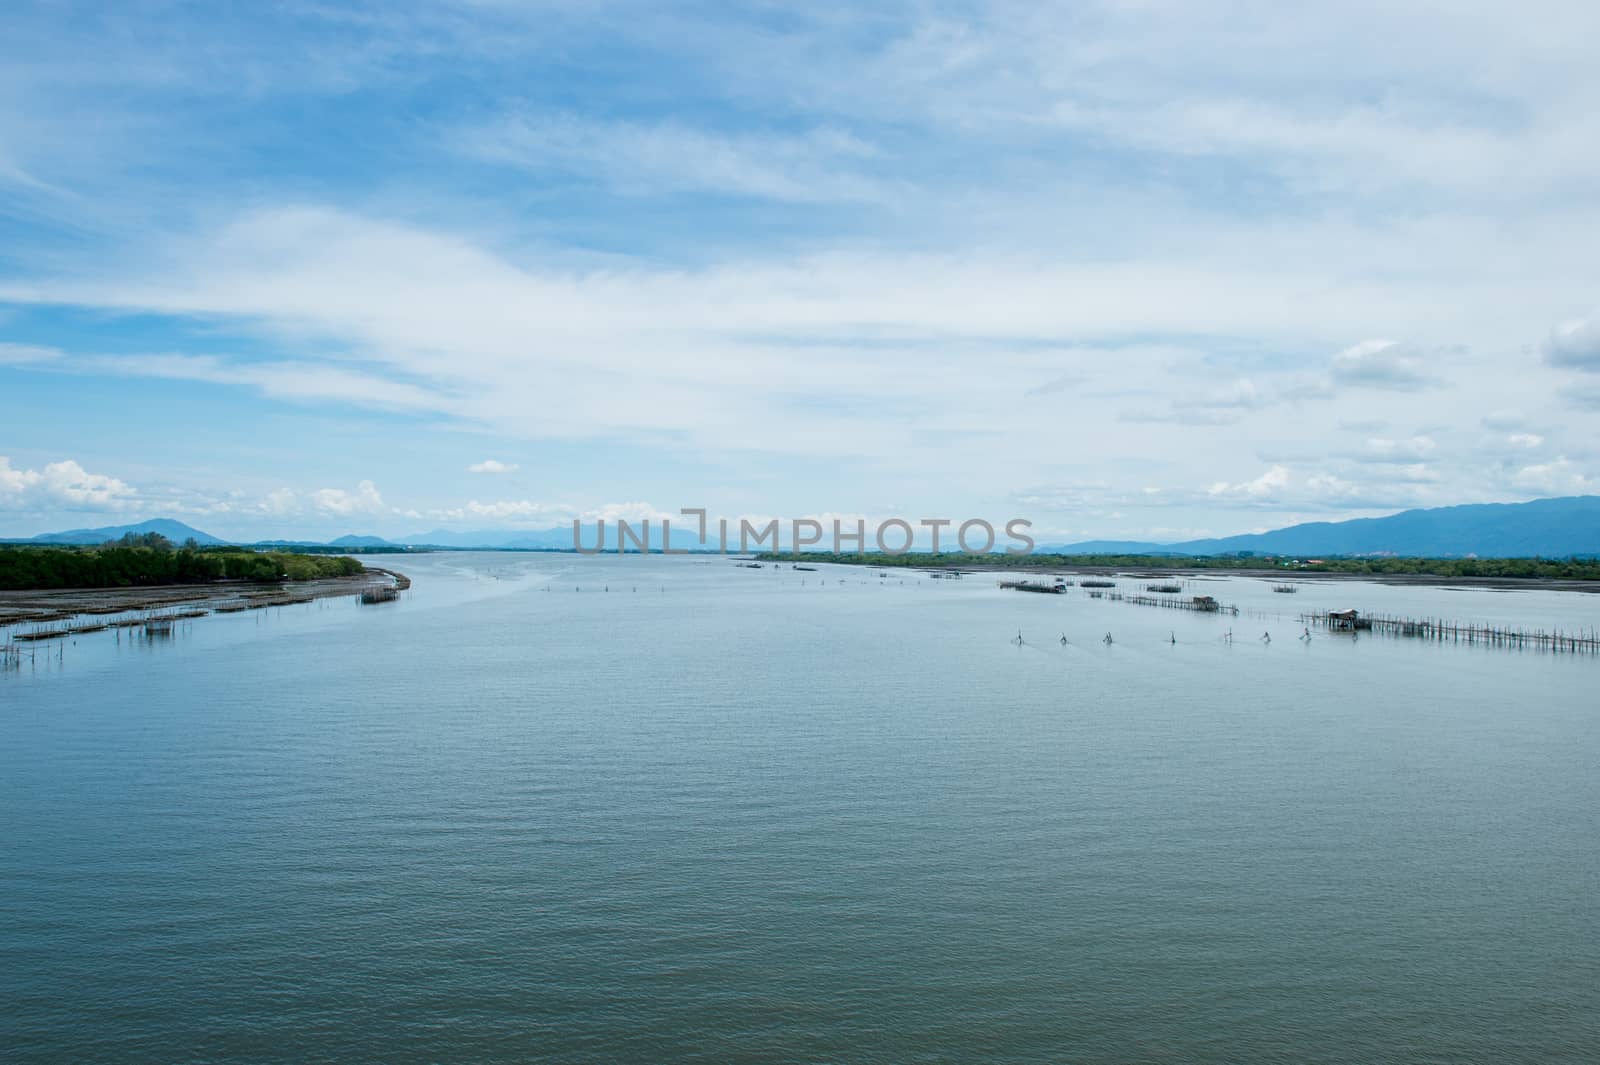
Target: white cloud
(520,511)
(1340,485)
(1040,180)
(1505,420)
(20,354)
(14,481)
(707,358)
(493,466)
(279,501)
(1384,364)
(64,484)
(1287,93)
(291,380)
(1575,344)
(1225,405)
(439,323)
(1381,449)
(1584,397)
(1329,486)
(529,513)
(632,512)
(364,500)
(647,158)
(1558,477)
(1525,440)
(71,482)
(1074,496)
(1267,486)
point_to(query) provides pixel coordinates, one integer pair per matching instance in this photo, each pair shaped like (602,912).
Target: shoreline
(1503,584)
(49,605)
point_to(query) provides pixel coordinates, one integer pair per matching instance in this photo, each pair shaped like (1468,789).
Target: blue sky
(1125,269)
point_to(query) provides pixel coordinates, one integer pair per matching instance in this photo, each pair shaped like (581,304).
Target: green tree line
(1575,569)
(119,566)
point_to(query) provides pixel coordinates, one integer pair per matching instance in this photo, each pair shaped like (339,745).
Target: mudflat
(59,604)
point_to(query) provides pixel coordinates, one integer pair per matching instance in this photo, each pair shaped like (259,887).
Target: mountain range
(176,531)
(1547,527)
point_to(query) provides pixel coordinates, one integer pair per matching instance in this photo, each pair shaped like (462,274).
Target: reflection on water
(560,808)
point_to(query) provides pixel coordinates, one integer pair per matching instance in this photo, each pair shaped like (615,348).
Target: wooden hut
(1346,621)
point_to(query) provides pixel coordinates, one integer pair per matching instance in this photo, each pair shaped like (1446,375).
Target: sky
(1133,270)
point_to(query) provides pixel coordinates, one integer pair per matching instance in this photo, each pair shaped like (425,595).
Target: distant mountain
(1108,547)
(1551,527)
(1548,527)
(360,541)
(176,531)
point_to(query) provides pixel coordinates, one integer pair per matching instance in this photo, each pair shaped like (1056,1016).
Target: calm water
(720,815)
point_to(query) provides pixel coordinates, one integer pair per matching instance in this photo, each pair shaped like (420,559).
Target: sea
(558,808)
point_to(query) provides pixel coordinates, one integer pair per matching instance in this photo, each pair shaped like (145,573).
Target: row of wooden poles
(1174,603)
(1445,631)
